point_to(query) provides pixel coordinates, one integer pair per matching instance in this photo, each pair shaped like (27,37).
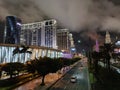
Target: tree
(43,68)
(16,50)
(46,65)
(55,65)
(66,61)
(19,67)
(8,67)
(107,51)
(12,68)
(96,58)
(31,66)
(23,50)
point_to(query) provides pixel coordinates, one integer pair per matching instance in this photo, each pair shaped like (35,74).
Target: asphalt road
(82,79)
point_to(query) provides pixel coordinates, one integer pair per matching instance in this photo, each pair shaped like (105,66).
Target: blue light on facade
(13,28)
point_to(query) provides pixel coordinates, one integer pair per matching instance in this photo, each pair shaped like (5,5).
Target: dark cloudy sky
(73,14)
(83,16)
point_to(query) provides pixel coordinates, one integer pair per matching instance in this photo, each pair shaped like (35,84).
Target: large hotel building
(39,34)
(44,33)
(63,40)
(31,34)
(43,39)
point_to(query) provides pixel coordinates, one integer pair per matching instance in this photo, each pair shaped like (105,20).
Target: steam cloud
(24,9)
(72,14)
(76,15)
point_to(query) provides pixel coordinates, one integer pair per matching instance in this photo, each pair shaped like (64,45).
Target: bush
(14,80)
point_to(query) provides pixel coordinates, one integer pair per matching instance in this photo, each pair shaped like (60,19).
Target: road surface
(82,79)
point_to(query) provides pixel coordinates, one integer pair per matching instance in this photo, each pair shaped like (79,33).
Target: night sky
(86,19)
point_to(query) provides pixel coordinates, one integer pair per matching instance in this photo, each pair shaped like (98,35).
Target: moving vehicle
(73,79)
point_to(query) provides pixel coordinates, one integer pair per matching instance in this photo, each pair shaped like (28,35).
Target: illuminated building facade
(6,53)
(107,38)
(12,30)
(31,34)
(72,45)
(63,41)
(49,33)
(39,34)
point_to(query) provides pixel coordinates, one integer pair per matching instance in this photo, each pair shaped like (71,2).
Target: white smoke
(24,9)
(73,14)
(111,24)
(78,14)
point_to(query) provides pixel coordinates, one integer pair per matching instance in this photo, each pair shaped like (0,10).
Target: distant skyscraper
(12,30)
(97,46)
(107,38)
(71,40)
(63,39)
(72,46)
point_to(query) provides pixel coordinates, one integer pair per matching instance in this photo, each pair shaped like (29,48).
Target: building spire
(107,38)
(97,46)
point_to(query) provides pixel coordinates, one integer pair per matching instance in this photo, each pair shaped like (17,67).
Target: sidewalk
(32,85)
